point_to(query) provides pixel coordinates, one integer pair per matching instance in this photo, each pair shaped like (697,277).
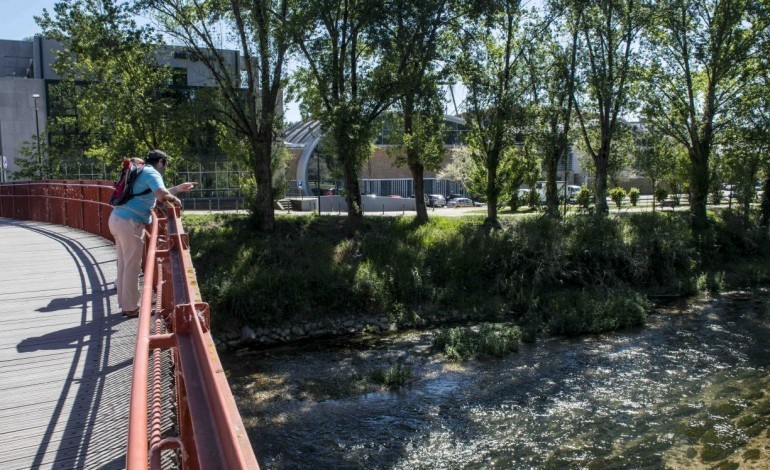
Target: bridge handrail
(211,432)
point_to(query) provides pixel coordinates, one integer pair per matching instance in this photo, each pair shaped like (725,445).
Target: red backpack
(124,184)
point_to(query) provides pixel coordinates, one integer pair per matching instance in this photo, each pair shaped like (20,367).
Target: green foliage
(633,196)
(584,198)
(583,274)
(128,106)
(617,194)
(661,195)
(573,313)
(490,339)
(394,376)
(32,164)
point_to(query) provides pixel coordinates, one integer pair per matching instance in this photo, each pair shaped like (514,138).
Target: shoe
(131,313)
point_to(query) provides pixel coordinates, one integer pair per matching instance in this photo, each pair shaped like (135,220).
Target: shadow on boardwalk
(66,393)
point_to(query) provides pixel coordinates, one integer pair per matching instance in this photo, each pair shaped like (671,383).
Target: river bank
(581,275)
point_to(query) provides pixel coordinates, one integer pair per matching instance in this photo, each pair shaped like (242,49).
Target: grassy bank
(581,275)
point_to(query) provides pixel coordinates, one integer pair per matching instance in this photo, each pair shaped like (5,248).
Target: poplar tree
(348,77)
(491,67)
(608,59)
(703,55)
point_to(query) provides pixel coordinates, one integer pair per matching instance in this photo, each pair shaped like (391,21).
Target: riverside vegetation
(538,276)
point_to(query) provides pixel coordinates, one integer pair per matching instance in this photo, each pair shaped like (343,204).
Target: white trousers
(129,241)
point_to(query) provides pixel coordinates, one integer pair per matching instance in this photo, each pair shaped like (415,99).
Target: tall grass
(582,274)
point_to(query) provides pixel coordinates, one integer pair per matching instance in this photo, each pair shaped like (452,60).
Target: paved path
(65,351)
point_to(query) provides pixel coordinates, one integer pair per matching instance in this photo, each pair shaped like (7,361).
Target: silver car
(435,200)
(460,202)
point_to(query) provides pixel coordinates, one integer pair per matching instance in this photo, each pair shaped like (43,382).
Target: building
(27,78)
(379,176)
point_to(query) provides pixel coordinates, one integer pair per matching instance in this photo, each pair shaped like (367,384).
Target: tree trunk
(352,195)
(764,218)
(699,187)
(600,184)
(415,166)
(551,191)
(492,191)
(264,212)
(418,171)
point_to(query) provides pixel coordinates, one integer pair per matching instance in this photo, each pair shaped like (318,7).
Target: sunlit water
(621,400)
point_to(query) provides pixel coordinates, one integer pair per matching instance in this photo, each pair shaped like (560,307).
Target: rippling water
(649,398)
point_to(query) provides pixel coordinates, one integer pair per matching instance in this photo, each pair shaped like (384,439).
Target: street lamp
(37,129)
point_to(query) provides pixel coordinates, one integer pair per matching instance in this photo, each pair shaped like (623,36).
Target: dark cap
(156,156)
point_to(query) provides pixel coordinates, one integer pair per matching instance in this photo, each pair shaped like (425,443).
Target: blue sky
(18,21)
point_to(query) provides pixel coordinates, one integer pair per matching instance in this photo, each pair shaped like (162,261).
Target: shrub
(584,198)
(573,313)
(633,196)
(394,376)
(491,339)
(617,194)
(661,195)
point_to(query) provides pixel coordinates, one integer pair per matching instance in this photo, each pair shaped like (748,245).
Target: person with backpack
(133,210)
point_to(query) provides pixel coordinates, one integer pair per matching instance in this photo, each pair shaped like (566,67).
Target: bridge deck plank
(65,352)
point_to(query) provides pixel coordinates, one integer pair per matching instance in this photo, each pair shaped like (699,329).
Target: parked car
(435,200)
(572,192)
(463,202)
(523,194)
(728,191)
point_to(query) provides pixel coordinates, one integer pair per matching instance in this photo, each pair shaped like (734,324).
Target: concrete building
(26,70)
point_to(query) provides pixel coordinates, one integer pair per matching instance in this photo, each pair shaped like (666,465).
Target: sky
(18,22)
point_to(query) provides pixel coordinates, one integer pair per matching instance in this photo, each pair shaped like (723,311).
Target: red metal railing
(210,431)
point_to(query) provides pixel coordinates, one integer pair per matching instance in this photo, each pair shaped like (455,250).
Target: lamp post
(37,130)
(318,181)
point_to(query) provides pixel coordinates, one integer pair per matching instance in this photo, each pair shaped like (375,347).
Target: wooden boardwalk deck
(65,350)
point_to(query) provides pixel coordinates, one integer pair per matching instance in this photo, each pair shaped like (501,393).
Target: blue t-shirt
(139,208)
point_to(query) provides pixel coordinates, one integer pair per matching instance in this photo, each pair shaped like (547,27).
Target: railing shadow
(93,360)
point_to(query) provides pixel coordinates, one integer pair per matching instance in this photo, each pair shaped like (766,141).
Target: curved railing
(210,431)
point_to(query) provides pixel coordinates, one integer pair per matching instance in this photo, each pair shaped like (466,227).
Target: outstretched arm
(164,195)
(182,188)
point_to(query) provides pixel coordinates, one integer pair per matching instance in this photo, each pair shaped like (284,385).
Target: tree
(466,169)
(748,142)
(423,26)
(703,55)
(497,113)
(31,165)
(609,30)
(419,137)
(113,91)
(348,78)
(552,72)
(251,101)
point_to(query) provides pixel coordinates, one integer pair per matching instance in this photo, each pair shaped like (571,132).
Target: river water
(691,389)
